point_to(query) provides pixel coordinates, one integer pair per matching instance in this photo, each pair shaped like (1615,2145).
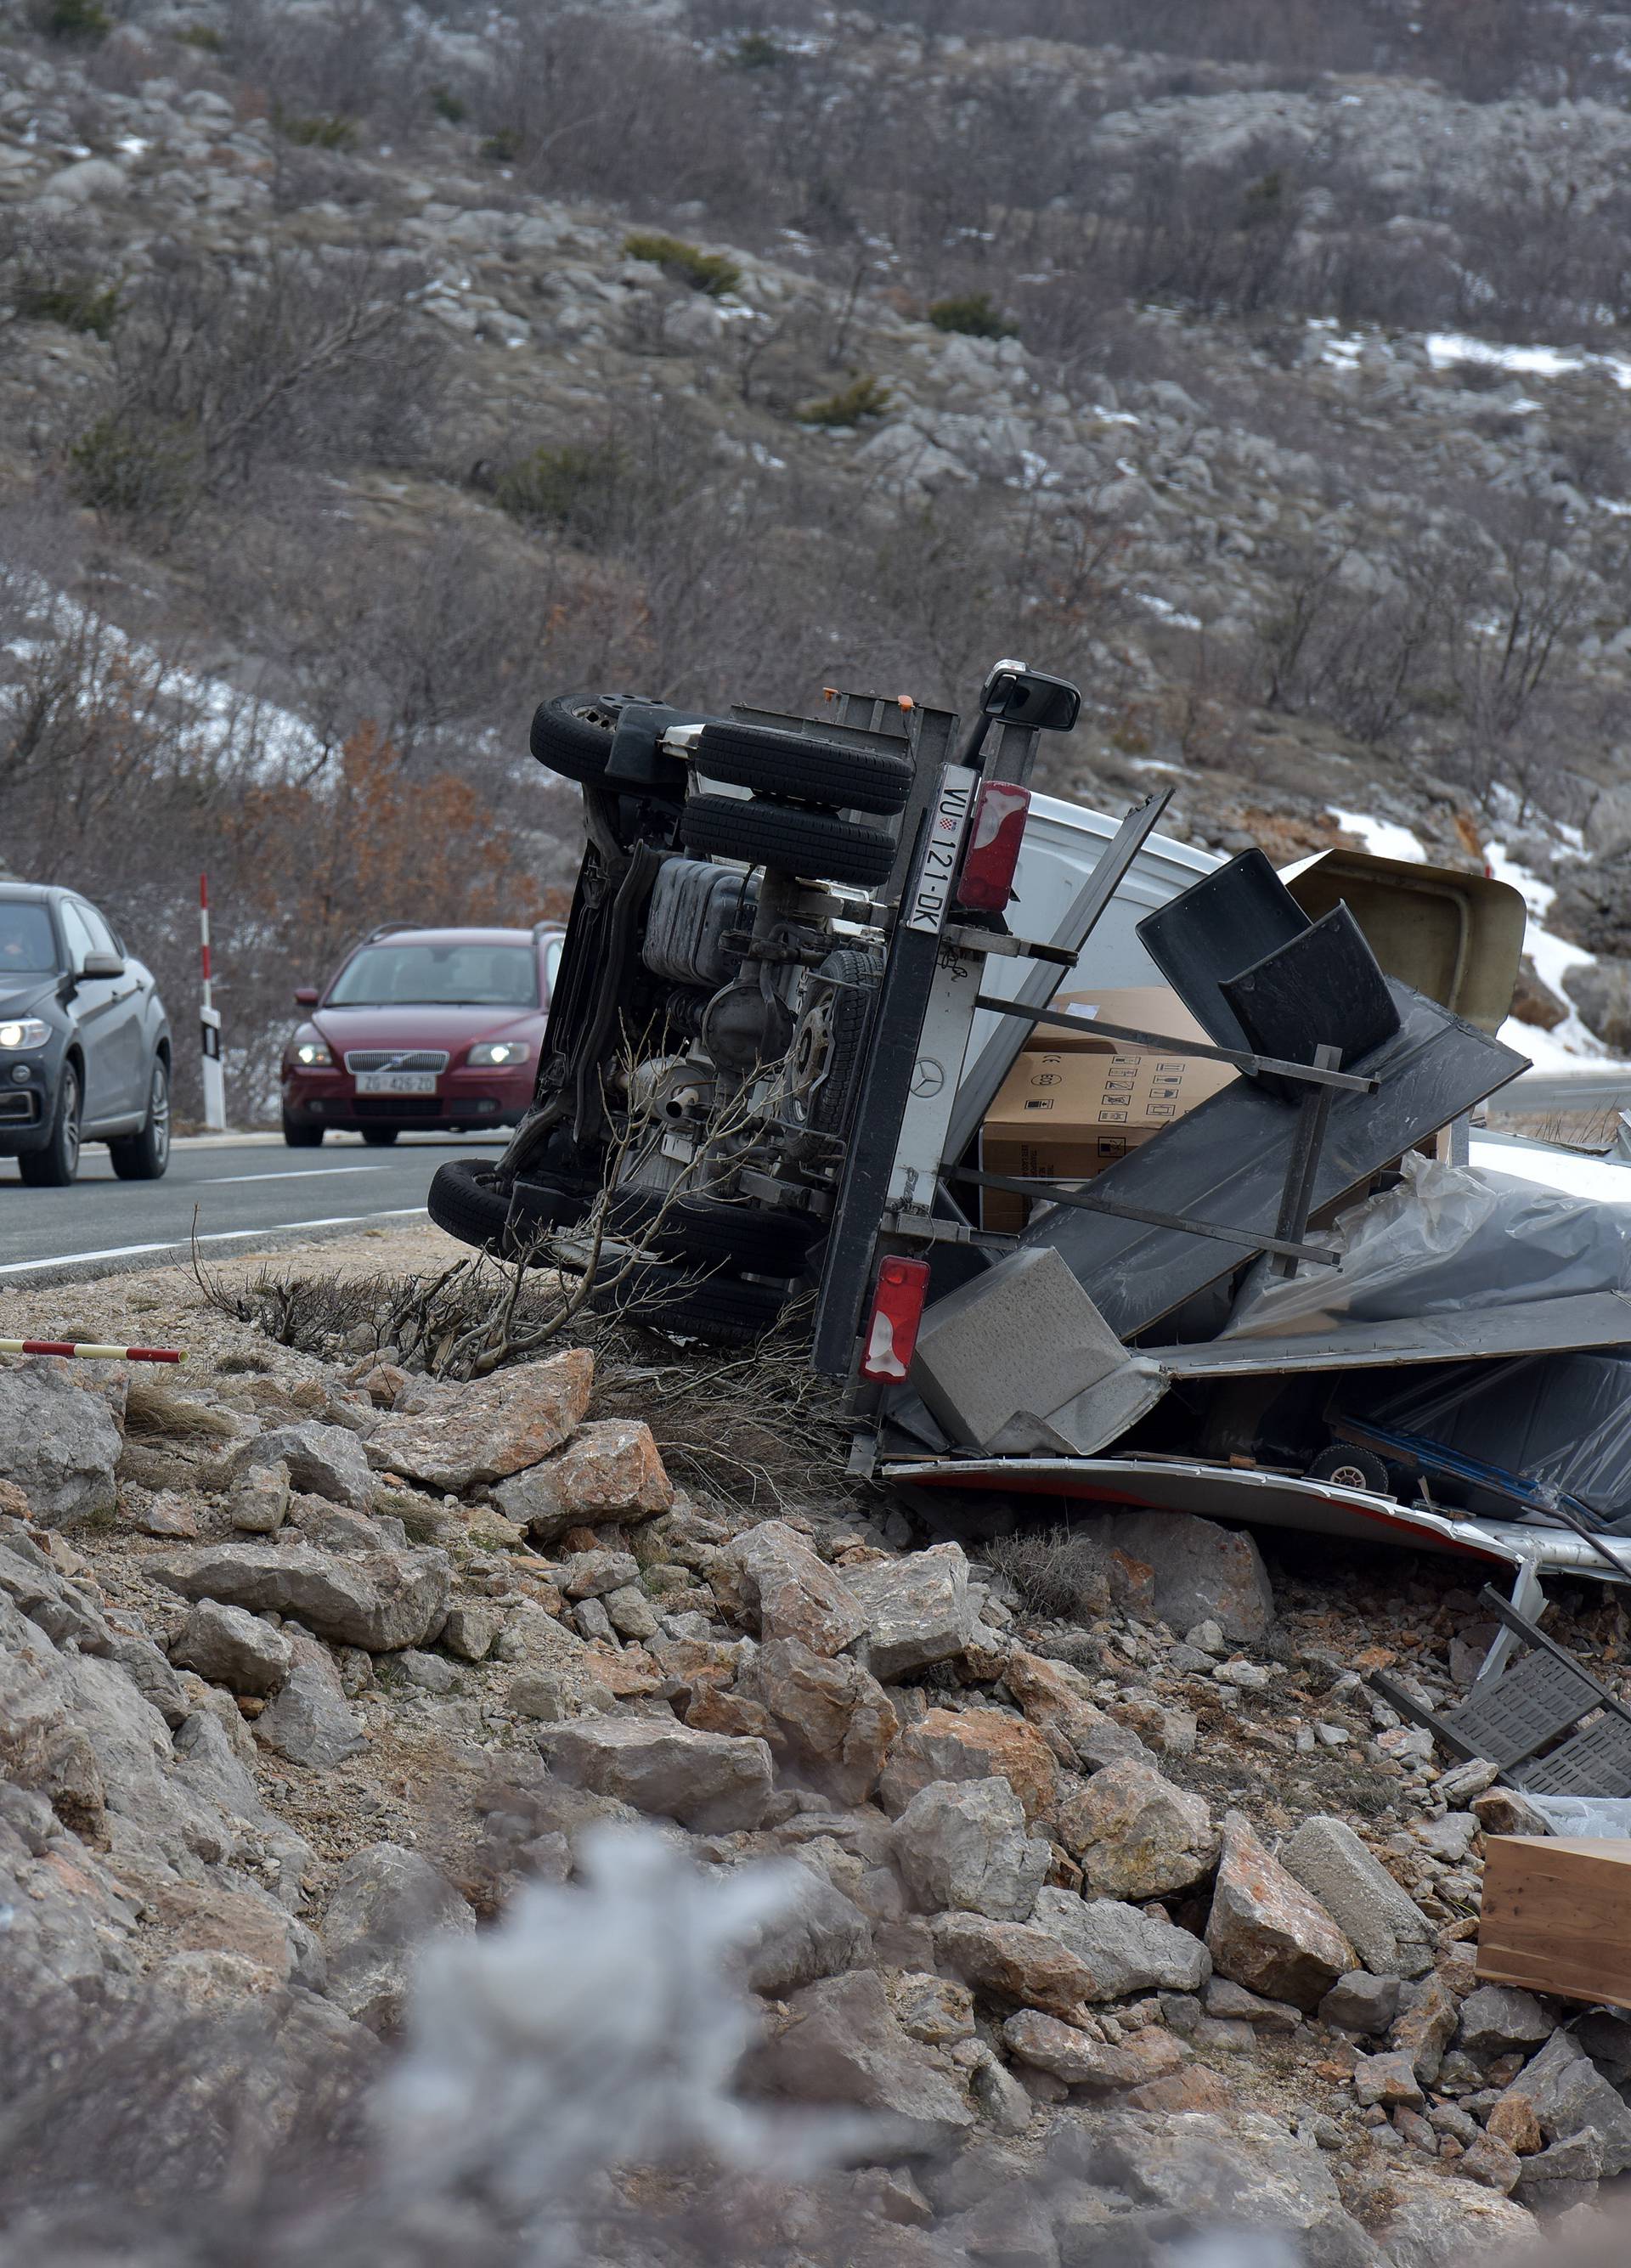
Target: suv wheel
(571,738)
(801,770)
(54,1167)
(142,1157)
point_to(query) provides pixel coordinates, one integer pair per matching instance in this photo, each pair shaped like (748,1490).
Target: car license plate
(397,1082)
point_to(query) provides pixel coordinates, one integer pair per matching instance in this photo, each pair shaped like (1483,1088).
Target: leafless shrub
(1058,1571)
(306,362)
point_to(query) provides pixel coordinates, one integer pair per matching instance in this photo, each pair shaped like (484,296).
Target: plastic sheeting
(1605,1818)
(1447,1238)
(1557,1424)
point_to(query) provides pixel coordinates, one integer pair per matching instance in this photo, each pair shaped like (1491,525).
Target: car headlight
(498,1054)
(25,1032)
(312,1055)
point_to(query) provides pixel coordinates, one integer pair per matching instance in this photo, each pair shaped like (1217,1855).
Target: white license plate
(397,1082)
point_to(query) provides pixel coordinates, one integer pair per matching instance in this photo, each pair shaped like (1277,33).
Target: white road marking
(294,1174)
(215,1236)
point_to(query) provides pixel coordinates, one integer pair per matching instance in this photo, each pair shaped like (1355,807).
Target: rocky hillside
(1115,1893)
(361,379)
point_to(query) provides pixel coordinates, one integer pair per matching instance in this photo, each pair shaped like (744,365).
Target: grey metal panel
(1226,1162)
(1267,1499)
(1591,1319)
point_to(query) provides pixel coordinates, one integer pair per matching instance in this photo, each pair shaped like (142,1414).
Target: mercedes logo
(929,1078)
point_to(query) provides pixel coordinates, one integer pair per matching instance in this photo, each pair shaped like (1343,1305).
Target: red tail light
(892,1325)
(986,883)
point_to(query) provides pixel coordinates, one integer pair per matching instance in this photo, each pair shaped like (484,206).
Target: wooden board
(1557,1917)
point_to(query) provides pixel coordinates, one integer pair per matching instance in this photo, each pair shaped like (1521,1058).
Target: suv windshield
(27,945)
(439,975)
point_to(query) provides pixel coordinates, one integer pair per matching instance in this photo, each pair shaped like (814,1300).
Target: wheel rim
(70,1122)
(159,1111)
(1351,1477)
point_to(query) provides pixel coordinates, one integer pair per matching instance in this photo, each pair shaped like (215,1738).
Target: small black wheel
(54,1166)
(708,1233)
(720,1308)
(381,1138)
(799,770)
(301,1136)
(1353,1468)
(573,737)
(803,842)
(142,1157)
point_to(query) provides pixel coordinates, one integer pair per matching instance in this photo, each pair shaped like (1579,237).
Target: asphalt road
(243,1191)
(1537,1090)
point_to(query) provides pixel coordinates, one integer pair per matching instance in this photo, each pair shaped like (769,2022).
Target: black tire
(468,1202)
(465,1201)
(709,1234)
(142,1157)
(803,842)
(54,1166)
(566,740)
(299,1136)
(786,765)
(719,1308)
(856,973)
(1354,1469)
(381,1138)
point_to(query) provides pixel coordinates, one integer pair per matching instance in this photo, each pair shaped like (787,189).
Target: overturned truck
(831,989)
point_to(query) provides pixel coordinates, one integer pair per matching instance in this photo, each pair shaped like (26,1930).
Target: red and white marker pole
(210,1027)
(85,1353)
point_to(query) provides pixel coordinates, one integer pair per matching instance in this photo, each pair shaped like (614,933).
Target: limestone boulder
(1013,1964)
(1392,1936)
(1264,1931)
(1137,1835)
(1056,1698)
(610,1473)
(969,1744)
(770,1582)
(915,1611)
(708,1781)
(830,1716)
(380,1601)
(233,1648)
(485,1432)
(59,1443)
(964,1846)
(1127,1951)
(1200,1572)
(310,1722)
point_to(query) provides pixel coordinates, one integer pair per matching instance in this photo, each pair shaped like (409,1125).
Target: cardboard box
(1556,1917)
(1136,1008)
(1066,1114)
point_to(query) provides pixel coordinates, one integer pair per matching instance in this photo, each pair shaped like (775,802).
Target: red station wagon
(438,1029)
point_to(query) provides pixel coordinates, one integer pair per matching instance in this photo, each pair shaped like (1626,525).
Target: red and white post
(210,1027)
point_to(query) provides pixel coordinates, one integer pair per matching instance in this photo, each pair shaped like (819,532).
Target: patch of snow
(1597,1179)
(1167,612)
(1446,348)
(1554,957)
(1383,838)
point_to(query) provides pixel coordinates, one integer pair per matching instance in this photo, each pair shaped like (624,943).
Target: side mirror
(102,964)
(1014,695)
(306,995)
